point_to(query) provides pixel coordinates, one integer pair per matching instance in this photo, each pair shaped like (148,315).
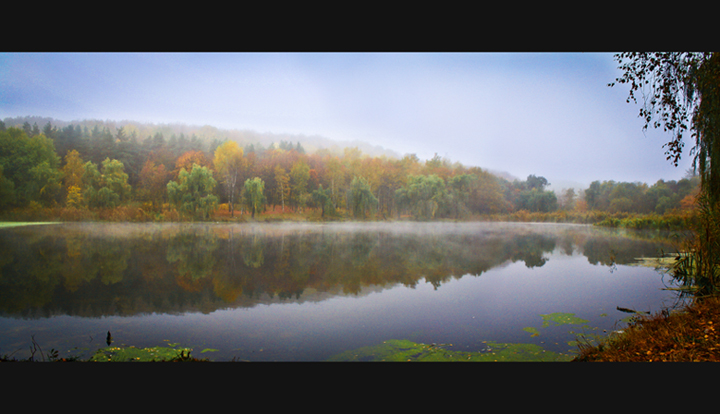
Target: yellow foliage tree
(75,197)
(73,172)
(229,164)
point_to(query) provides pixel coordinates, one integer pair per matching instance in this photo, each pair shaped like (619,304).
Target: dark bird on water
(109,339)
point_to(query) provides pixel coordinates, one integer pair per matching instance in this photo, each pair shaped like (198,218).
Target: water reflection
(125,269)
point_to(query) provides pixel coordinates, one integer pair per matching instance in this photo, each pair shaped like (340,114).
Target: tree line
(82,168)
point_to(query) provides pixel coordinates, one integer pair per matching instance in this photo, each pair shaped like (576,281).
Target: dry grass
(690,335)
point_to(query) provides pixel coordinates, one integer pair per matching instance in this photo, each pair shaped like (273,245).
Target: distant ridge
(208,133)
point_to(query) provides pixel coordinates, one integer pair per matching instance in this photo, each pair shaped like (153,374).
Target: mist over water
(307,291)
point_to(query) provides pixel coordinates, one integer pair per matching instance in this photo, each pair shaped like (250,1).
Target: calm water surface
(306,292)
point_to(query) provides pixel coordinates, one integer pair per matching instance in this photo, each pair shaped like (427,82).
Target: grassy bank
(169,353)
(691,334)
(143,212)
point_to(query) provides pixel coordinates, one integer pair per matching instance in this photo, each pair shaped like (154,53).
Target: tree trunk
(282,197)
(232,203)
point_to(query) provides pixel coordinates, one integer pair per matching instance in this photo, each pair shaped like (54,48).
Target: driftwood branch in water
(632,311)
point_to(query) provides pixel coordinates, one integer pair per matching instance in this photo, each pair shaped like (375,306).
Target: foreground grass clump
(690,335)
(170,353)
(154,354)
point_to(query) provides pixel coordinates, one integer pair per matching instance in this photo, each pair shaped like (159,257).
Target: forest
(92,171)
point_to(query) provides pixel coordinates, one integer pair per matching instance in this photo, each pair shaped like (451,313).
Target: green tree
(323,198)
(45,183)
(299,175)
(31,165)
(422,195)
(115,179)
(537,200)
(630,193)
(107,188)
(536,182)
(7,190)
(192,194)
(459,188)
(361,199)
(254,197)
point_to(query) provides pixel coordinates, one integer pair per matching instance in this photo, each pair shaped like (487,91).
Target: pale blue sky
(549,114)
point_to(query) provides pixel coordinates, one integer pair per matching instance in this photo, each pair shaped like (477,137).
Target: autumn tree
(153,183)
(73,170)
(229,165)
(186,161)
(567,199)
(336,178)
(282,179)
(486,193)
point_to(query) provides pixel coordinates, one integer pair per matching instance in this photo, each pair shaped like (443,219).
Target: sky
(547,114)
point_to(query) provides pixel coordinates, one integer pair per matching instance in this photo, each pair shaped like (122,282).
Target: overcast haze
(549,114)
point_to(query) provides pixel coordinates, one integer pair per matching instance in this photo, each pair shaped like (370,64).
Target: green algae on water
(408,351)
(532,330)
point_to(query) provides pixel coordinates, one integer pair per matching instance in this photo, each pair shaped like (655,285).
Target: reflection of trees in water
(252,252)
(27,274)
(192,253)
(530,248)
(361,245)
(609,251)
(206,267)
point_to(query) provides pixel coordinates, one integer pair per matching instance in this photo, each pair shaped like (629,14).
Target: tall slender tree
(229,164)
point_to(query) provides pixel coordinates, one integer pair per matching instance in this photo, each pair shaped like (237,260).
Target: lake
(314,292)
